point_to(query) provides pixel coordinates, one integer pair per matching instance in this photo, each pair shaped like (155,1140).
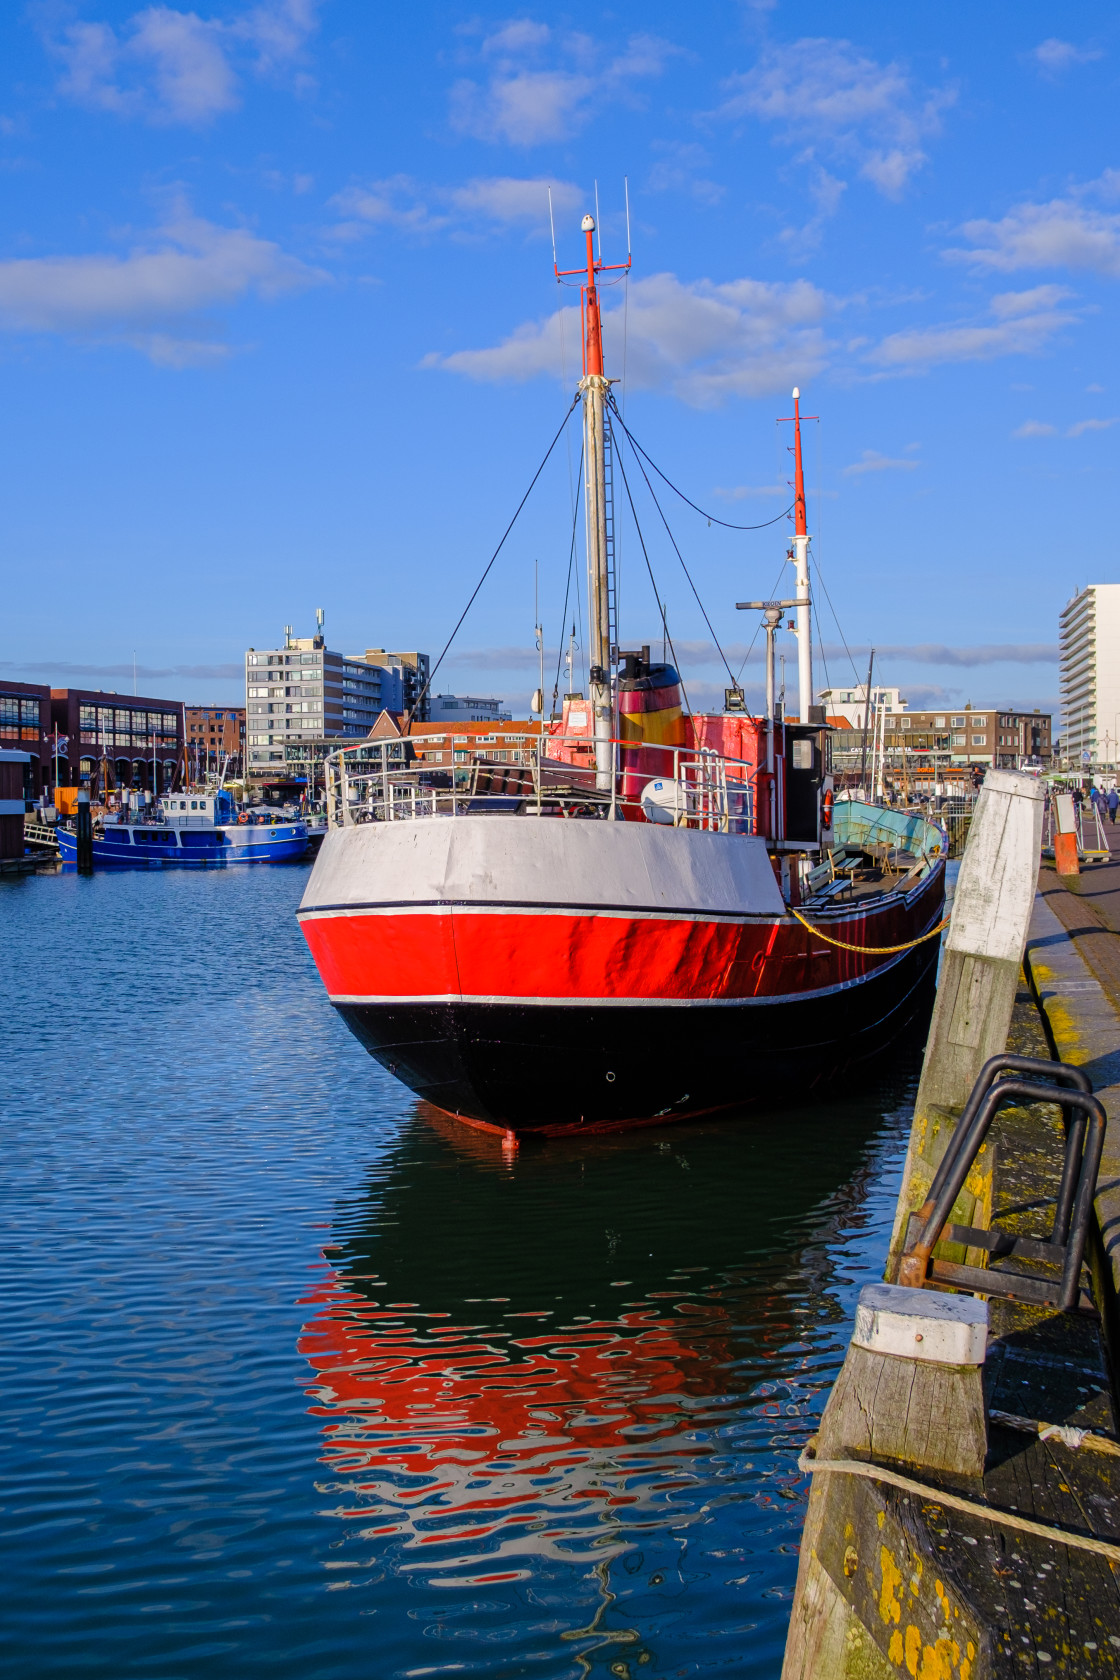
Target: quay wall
(891,1582)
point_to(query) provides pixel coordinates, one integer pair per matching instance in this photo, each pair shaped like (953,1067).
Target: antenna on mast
(552,225)
(626,192)
(598,224)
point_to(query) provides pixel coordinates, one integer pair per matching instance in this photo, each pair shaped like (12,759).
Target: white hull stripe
(470,907)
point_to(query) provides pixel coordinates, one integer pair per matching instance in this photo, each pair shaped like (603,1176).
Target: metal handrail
(363,784)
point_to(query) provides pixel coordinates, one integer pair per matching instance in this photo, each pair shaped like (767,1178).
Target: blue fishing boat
(191,830)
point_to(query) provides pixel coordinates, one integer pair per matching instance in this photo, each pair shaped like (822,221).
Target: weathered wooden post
(980,967)
(910,1388)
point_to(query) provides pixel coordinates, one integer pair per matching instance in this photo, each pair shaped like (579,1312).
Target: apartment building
(303,698)
(1089,655)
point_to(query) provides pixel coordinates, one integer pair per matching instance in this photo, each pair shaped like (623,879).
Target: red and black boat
(656,914)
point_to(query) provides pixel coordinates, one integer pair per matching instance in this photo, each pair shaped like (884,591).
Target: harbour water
(302,1378)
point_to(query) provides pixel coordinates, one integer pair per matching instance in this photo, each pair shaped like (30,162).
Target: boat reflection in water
(574,1380)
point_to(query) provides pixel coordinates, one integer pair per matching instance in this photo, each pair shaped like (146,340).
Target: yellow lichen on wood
(890,1604)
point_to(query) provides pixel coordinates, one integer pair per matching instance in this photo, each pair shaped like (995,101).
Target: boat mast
(799,554)
(595,389)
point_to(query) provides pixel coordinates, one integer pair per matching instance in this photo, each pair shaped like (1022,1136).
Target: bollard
(911,1387)
(1065,854)
(1065,835)
(910,1394)
(84,821)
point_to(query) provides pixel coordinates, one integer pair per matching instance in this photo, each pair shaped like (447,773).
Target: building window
(979,740)
(960,740)
(959,722)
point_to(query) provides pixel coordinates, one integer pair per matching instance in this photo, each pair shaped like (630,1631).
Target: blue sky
(278,327)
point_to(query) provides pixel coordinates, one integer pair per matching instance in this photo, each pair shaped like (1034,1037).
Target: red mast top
(589,299)
(801,528)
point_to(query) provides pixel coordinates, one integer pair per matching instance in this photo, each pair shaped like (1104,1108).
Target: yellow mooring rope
(870,950)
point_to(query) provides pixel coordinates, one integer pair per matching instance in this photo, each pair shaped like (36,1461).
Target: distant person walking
(1113,802)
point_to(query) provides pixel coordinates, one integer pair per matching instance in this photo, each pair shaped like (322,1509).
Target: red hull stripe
(511,955)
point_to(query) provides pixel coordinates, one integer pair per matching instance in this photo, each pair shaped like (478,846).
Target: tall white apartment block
(1089,650)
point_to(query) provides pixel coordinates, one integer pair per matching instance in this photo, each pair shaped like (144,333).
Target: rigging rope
(870,950)
(567,592)
(676,550)
(712,518)
(490,562)
(653,580)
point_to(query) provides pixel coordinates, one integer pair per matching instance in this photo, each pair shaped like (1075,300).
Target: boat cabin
(198,810)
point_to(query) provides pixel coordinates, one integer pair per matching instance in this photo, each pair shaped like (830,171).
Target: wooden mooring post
(871,1598)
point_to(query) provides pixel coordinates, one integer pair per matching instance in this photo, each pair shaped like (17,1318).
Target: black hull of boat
(552,1069)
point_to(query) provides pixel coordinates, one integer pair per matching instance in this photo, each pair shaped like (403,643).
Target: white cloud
(1025,323)
(826,191)
(152,297)
(1035,429)
(540,83)
(1081,426)
(825,93)
(680,167)
(403,203)
(1063,233)
(1054,56)
(171,66)
(703,341)
(1006,305)
(872,461)
(1043,428)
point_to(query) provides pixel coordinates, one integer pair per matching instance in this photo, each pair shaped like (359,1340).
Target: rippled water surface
(300,1377)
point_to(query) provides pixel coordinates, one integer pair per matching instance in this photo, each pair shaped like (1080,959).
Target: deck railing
(378,781)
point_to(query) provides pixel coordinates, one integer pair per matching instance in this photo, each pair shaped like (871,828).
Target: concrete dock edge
(891,1584)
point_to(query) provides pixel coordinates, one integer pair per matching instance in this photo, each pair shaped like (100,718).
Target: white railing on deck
(702,788)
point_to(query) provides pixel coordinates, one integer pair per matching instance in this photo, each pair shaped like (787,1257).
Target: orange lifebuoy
(826,809)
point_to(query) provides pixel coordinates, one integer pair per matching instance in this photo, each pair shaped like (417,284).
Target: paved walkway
(1088,907)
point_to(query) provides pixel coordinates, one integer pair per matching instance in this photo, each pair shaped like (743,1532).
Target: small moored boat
(190,830)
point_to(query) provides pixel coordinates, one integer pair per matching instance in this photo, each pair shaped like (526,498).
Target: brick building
(988,735)
(25,727)
(214,733)
(140,737)
(974,735)
(498,742)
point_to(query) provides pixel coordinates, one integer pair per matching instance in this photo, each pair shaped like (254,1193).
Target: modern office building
(303,699)
(459,708)
(1089,652)
(214,734)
